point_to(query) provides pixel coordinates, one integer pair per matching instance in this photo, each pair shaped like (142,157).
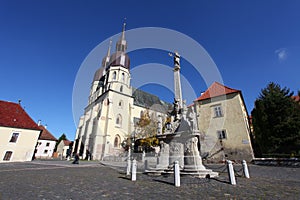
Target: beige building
(46,144)
(223,124)
(18,133)
(62,148)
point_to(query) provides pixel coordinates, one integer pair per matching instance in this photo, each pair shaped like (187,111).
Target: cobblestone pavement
(91,180)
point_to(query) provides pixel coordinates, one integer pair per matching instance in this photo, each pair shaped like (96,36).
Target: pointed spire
(123,31)
(105,60)
(122,43)
(109,48)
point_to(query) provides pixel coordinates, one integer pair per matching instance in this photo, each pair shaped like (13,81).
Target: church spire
(122,43)
(105,61)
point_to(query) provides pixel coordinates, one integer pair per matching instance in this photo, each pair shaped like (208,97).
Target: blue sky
(43,43)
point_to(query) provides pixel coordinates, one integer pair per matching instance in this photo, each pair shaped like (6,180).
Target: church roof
(98,74)
(46,135)
(147,100)
(13,115)
(215,90)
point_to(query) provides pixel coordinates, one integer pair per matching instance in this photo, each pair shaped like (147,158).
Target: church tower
(106,120)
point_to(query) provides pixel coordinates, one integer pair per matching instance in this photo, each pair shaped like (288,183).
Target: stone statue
(176,110)
(159,125)
(176,59)
(193,119)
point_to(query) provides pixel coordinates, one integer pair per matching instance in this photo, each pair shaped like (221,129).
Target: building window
(121,88)
(117,141)
(119,120)
(121,104)
(14,137)
(7,155)
(45,151)
(47,144)
(123,77)
(218,111)
(114,77)
(222,134)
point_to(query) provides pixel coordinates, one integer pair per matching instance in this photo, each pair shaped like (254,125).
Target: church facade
(113,107)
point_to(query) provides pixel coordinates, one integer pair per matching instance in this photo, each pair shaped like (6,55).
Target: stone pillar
(163,156)
(176,153)
(192,158)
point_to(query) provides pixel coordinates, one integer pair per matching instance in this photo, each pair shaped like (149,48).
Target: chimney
(45,126)
(39,122)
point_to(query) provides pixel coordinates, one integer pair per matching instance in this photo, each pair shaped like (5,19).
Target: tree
(146,130)
(62,137)
(276,121)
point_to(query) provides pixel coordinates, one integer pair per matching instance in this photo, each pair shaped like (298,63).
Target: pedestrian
(76,161)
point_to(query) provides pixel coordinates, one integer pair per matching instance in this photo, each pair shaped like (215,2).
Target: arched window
(117,141)
(120,104)
(119,120)
(123,77)
(121,88)
(114,77)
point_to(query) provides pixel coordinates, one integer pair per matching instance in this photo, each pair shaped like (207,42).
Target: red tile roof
(13,115)
(46,135)
(296,98)
(67,142)
(215,90)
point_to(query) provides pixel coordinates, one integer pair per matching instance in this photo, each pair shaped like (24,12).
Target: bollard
(245,169)
(176,174)
(145,165)
(133,173)
(128,167)
(231,173)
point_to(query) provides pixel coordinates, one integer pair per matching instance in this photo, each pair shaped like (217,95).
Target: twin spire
(122,43)
(121,46)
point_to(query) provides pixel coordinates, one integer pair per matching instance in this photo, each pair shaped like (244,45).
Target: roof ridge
(216,89)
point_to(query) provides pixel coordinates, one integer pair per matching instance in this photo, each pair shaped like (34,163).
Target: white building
(113,107)
(18,133)
(46,144)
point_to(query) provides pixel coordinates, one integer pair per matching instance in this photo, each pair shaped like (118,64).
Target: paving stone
(91,180)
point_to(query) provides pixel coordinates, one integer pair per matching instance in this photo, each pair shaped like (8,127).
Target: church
(115,108)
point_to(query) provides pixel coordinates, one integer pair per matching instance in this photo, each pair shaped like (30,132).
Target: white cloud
(281,54)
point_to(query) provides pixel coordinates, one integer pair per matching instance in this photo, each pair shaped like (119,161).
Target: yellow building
(18,133)
(223,124)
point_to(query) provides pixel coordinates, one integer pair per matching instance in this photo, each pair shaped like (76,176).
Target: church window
(14,137)
(121,104)
(117,141)
(123,77)
(119,120)
(7,155)
(222,134)
(218,111)
(121,88)
(114,77)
